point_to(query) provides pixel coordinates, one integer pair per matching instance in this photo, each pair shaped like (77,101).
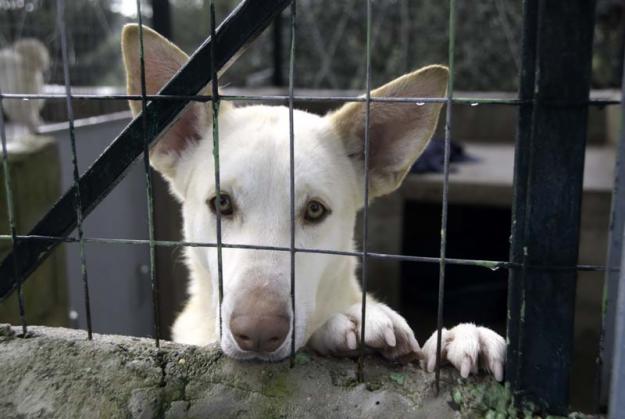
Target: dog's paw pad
(385,331)
(468,348)
(337,336)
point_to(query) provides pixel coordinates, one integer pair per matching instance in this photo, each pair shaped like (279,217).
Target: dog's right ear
(398,132)
(162,60)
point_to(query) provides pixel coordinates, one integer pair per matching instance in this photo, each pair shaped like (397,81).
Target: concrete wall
(58,373)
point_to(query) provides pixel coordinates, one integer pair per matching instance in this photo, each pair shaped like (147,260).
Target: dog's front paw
(385,332)
(467,347)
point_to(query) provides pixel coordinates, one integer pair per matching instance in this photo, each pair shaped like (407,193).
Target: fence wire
(148,187)
(78,204)
(444,212)
(284,99)
(292,173)
(215,102)
(365,211)
(487,264)
(216,98)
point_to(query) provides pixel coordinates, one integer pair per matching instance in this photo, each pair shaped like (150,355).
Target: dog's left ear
(162,61)
(398,132)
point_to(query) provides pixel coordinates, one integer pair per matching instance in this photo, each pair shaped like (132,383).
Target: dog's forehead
(256,139)
(268,127)
(254,159)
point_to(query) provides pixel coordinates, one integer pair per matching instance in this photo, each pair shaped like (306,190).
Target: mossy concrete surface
(56,372)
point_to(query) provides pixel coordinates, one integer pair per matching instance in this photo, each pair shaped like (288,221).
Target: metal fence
(553,104)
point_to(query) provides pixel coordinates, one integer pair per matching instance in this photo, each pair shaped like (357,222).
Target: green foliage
(302,358)
(406,34)
(487,400)
(607,62)
(330,40)
(492,400)
(398,378)
(93,33)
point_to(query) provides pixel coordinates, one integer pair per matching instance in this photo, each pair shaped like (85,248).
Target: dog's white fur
(254,167)
(21,71)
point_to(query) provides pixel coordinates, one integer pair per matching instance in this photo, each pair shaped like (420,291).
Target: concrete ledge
(56,372)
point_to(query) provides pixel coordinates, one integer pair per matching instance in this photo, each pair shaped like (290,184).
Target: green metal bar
(302,98)
(78,204)
(215,107)
(149,189)
(493,265)
(292,174)
(445,205)
(365,212)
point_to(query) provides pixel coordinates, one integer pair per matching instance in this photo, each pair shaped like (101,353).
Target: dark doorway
(472,293)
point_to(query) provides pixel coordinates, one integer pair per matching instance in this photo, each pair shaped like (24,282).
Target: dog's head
(255,204)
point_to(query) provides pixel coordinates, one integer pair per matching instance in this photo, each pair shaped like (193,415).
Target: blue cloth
(433,158)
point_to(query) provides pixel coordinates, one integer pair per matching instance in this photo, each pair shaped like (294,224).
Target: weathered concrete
(58,373)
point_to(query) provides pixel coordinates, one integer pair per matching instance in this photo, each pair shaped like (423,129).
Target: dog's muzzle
(260,322)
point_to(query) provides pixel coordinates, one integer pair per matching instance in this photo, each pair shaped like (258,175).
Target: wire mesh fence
(225,42)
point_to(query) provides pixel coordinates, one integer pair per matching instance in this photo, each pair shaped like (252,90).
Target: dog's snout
(259,333)
(260,321)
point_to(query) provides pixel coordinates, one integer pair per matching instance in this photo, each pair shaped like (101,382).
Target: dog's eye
(315,211)
(224,205)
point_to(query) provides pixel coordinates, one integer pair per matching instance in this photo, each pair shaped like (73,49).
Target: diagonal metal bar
(241,27)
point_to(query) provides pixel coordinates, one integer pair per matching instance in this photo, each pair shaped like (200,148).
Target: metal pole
(278,77)
(547,203)
(161,17)
(617,396)
(613,343)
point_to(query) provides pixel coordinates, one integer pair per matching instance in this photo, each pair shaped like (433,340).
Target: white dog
(21,71)
(255,208)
